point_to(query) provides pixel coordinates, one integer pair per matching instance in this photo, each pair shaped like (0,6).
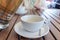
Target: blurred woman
(38,4)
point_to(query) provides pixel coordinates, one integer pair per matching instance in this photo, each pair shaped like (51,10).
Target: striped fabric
(8,7)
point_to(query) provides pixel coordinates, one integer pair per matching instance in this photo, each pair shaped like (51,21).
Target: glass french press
(7,11)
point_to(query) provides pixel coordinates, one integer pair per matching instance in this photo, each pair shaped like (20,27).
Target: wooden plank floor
(49,14)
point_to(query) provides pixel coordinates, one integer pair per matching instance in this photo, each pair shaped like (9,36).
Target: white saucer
(19,30)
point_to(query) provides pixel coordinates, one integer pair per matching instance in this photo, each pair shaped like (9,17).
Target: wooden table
(54,32)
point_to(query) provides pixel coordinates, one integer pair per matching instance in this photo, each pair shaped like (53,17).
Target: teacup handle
(46,21)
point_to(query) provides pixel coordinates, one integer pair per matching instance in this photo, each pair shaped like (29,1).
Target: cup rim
(32,15)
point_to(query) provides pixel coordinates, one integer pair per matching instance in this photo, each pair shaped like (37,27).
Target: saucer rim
(29,32)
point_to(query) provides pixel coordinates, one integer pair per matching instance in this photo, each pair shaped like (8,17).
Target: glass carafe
(7,11)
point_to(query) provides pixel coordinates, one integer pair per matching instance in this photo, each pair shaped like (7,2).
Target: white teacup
(32,23)
(21,10)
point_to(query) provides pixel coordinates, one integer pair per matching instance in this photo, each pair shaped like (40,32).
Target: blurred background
(8,7)
(53,4)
